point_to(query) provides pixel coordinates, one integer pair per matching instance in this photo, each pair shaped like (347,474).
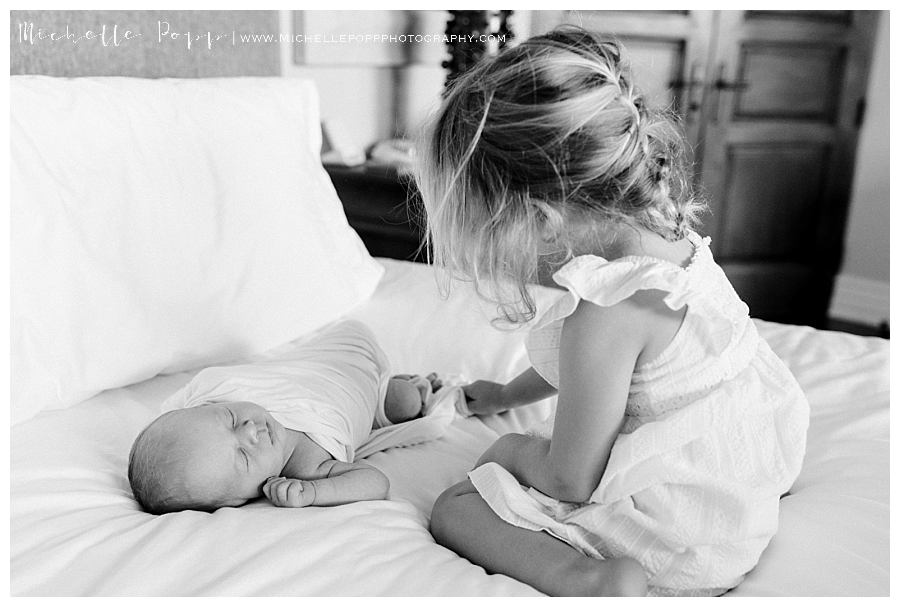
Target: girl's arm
(598,351)
(341,483)
(487,397)
(527,387)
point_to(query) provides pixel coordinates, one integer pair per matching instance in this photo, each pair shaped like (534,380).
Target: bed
(107,322)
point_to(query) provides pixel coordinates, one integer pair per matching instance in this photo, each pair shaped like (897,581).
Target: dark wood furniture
(382,206)
(772,102)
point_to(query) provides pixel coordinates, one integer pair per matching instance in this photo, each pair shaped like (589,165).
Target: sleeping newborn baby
(287,427)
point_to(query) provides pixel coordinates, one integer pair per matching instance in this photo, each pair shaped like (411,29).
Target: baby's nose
(251,431)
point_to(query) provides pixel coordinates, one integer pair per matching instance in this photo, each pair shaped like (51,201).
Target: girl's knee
(628,578)
(448,509)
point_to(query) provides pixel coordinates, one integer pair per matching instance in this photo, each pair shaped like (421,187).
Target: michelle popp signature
(114,36)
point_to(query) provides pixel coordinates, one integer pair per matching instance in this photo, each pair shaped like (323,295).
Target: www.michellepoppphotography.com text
(114,35)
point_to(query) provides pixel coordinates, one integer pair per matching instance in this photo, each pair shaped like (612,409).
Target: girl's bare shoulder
(640,325)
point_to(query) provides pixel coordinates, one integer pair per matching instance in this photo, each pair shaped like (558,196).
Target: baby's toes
(435,381)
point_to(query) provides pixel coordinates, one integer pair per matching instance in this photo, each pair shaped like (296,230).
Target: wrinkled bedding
(76,530)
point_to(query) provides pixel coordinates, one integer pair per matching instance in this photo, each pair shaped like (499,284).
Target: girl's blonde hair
(531,148)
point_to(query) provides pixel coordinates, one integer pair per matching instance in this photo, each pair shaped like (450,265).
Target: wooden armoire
(771,102)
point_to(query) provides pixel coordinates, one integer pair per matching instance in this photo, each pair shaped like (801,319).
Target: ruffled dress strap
(605,283)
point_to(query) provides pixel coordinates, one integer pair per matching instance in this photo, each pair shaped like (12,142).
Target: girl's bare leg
(462,521)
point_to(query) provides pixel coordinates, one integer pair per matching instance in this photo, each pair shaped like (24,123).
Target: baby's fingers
(274,490)
(294,497)
(280,490)
(267,486)
(284,492)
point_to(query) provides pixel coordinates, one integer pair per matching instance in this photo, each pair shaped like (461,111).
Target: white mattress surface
(76,530)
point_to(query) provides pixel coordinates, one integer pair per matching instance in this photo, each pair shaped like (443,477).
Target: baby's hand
(289,492)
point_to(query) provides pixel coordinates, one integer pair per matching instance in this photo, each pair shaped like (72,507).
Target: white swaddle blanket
(330,385)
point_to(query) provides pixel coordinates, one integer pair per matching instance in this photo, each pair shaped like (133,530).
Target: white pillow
(163,225)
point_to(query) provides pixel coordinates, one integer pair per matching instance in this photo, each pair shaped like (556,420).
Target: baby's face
(227,450)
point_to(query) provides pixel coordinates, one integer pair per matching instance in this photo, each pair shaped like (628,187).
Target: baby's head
(535,152)
(206,457)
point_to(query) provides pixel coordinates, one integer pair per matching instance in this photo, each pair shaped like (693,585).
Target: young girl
(677,429)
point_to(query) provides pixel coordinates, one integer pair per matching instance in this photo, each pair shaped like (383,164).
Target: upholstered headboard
(149,44)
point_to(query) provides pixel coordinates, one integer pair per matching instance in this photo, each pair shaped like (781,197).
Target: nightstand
(382,205)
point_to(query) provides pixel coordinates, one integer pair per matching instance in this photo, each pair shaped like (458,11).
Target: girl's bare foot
(463,522)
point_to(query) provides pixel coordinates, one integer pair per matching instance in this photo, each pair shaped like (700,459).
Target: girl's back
(714,432)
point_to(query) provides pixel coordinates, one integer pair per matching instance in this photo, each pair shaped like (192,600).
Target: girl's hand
(485,397)
(289,492)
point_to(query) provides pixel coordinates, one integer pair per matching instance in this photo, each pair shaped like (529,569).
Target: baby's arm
(487,397)
(340,483)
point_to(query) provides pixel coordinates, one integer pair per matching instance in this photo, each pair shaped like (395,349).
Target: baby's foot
(436,382)
(426,386)
(405,398)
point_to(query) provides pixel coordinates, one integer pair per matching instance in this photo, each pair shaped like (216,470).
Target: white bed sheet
(75,529)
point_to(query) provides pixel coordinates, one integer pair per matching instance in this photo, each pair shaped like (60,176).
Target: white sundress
(714,434)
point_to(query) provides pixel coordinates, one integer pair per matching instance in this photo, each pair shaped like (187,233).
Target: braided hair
(534,147)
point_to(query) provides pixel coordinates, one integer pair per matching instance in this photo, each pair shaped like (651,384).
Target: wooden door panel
(810,16)
(771,191)
(789,81)
(773,127)
(776,291)
(780,135)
